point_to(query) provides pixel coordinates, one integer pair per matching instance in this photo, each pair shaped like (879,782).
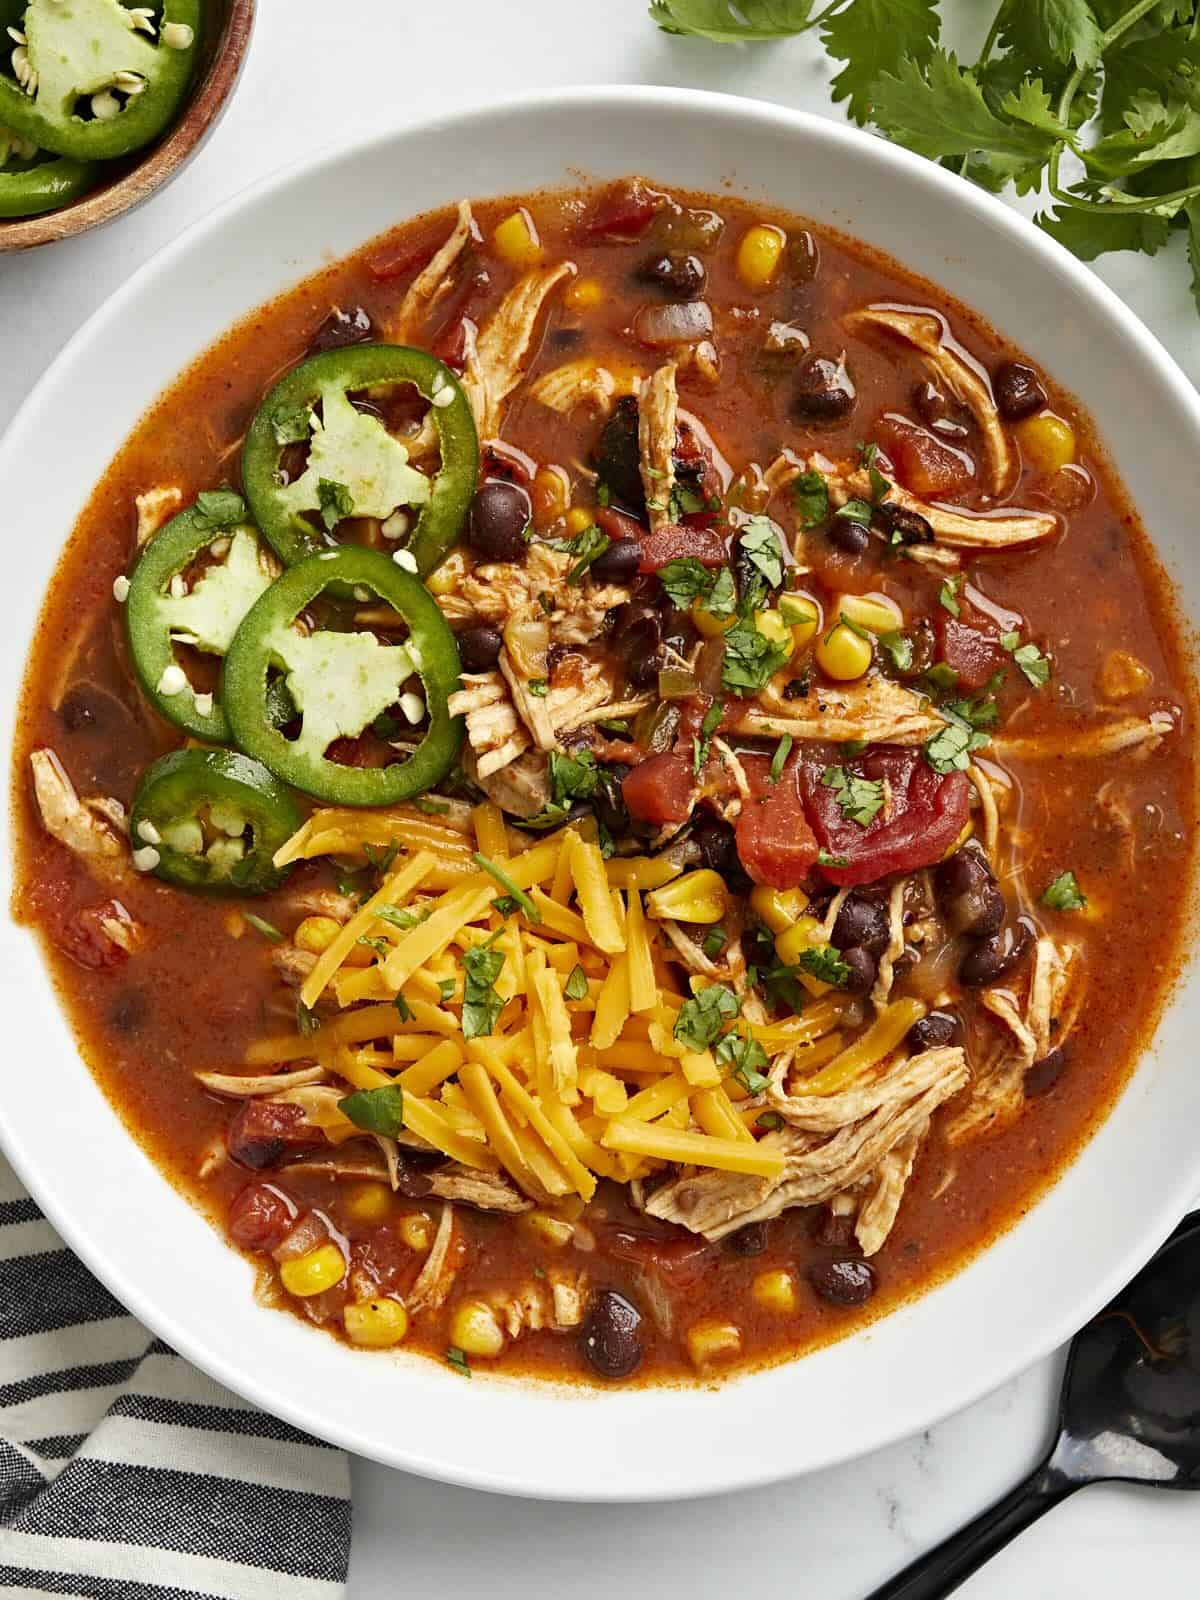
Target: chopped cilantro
(291,424)
(1034,665)
(380,946)
(779,760)
(686,580)
(539,688)
(760,544)
(505,905)
(510,888)
(381,859)
(701,1019)
(824,962)
(397,917)
(950,749)
(714,942)
(811,494)
(481,1004)
(941,678)
(403,1009)
(456,1359)
(899,647)
(587,546)
(748,1060)
(261,925)
(335,502)
(700,746)
(431,807)
(859,799)
(576,986)
(750,660)
(218,508)
(769,1121)
(376,1110)
(1064,893)
(447,988)
(948,595)
(307,1022)
(860,511)
(825,859)
(982,712)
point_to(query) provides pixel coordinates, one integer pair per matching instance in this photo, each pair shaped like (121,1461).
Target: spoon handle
(940,1570)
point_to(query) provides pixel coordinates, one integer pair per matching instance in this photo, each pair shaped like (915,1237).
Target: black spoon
(1130,1413)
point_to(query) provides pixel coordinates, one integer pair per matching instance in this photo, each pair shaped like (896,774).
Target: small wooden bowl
(227,27)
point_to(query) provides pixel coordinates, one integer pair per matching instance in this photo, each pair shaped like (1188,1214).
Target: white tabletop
(317,73)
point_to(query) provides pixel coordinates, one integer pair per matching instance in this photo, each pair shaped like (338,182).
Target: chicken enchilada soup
(586,778)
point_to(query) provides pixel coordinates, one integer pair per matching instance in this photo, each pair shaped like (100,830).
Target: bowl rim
(902,1418)
(203,107)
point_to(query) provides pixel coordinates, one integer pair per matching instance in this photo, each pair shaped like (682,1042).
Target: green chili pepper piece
(340,682)
(29,189)
(187,809)
(356,468)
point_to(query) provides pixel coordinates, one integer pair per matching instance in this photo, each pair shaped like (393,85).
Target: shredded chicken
(895,946)
(963,530)
(521,786)
(248,1085)
(433,282)
(502,590)
(437,1276)
(1124,733)
(555,1302)
(88,828)
(497,360)
(928,333)
(324,902)
(874,710)
(658,406)
(291,963)
(583,383)
(877,1213)
(831,1143)
(154,507)
(483,1190)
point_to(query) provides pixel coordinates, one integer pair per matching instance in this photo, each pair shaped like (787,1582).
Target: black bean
(78,711)
(903,526)
(611,1337)
(862,970)
(844,1283)
(969,895)
(1018,389)
(849,536)
(680,277)
(825,391)
(996,957)
(412,1171)
(931,1032)
(717,843)
(637,639)
(797,688)
(750,1240)
(619,563)
(500,514)
(905,962)
(608,802)
(804,256)
(342,328)
(617,459)
(834,1229)
(861,922)
(1044,1074)
(939,411)
(479,648)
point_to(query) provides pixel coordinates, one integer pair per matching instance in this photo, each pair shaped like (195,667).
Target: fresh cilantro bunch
(1096,103)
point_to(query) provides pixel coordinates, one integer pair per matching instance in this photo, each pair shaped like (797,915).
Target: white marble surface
(317,73)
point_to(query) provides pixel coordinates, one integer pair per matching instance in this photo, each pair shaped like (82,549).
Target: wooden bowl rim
(164,160)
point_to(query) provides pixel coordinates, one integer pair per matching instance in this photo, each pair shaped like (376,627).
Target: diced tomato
(696,470)
(925,812)
(680,1256)
(619,524)
(774,841)
(660,789)
(262,1130)
(407,259)
(452,343)
(86,939)
(971,645)
(922,462)
(259,1217)
(623,213)
(672,542)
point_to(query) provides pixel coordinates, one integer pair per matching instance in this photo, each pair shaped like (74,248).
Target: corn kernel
(804,933)
(775,629)
(640,872)
(551,495)
(759,255)
(417,1231)
(543,1229)
(712,627)
(446,578)
(316,934)
(803,616)
(778,908)
(698,896)
(475,1330)
(877,613)
(584,294)
(313,1273)
(1123,675)
(1047,440)
(368,1202)
(377,1324)
(775,1291)
(516,240)
(842,654)
(711,1340)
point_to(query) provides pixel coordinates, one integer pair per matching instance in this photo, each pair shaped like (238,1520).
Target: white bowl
(1014,1303)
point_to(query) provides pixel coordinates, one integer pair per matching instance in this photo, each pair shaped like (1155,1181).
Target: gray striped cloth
(125,1474)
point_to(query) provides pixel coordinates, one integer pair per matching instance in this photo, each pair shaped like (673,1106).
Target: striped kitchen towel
(125,1474)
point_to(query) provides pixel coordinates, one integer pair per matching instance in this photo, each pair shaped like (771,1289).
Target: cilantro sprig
(1092,102)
